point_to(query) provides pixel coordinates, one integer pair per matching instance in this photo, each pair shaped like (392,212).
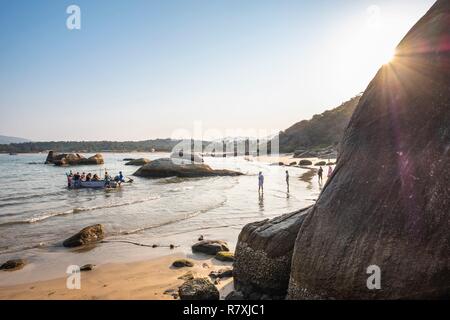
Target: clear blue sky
(140,69)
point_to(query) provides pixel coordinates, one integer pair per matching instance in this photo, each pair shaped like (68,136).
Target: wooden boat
(93,184)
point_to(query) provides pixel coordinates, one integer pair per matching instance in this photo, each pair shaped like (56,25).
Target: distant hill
(322,130)
(8,140)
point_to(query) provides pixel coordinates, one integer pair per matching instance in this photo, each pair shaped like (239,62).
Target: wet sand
(153,279)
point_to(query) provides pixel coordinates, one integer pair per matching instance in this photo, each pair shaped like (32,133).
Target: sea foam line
(74,211)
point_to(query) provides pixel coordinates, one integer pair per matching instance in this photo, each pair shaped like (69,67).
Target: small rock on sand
(12,265)
(225,256)
(87,267)
(88,235)
(198,289)
(222,273)
(180,263)
(210,247)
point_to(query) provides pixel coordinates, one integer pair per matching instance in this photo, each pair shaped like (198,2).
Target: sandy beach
(154,279)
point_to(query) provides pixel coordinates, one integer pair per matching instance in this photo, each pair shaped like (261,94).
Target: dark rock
(388,201)
(87,267)
(235,295)
(165,167)
(225,256)
(86,236)
(180,263)
(304,163)
(12,265)
(72,159)
(263,254)
(137,162)
(320,163)
(294,163)
(128,159)
(200,238)
(222,273)
(255,296)
(198,289)
(211,247)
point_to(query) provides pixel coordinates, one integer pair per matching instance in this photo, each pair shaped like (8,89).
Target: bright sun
(387,56)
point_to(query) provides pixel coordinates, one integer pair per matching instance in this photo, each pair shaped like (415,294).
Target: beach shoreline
(153,279)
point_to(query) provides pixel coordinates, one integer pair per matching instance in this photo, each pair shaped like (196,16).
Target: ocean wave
(158,225)
(49,215)
(9,250)
(27,197)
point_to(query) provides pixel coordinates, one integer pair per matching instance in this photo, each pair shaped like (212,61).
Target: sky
(143,69)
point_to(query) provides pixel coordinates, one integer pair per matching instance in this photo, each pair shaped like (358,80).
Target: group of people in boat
(74,180)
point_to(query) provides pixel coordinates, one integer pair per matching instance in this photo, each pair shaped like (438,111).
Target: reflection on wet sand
(261,201)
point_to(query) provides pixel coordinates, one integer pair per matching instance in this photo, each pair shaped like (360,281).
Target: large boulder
(263,255)
(388,201)
(86,236)
(137,162)
(198,289)
(72,159)
(165,167)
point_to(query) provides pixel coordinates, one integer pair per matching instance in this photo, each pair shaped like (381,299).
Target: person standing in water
(330,171)
(260,182)
(287,180)
(319,173)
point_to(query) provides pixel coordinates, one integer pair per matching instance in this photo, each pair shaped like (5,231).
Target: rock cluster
(72,159)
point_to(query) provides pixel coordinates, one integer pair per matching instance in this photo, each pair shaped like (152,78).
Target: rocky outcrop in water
(72,159)
(86,236)
(263,255)
(165,167)
(137,162)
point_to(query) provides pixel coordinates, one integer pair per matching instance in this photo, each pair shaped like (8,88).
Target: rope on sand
(171,246)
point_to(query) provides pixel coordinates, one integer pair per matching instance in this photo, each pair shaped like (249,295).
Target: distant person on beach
(287,180)
(260,182)
(319,173)
(330,171)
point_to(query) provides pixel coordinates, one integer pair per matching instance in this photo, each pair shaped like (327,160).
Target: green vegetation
(90,146)
(322,130)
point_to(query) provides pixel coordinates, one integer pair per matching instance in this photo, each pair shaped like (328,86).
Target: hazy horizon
(143,69)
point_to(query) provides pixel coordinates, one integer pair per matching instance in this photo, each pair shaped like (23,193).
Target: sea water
(38,211)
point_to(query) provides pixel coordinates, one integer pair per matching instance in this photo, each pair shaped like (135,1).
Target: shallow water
(37,211)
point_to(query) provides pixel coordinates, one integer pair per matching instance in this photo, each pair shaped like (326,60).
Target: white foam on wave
(45,216)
